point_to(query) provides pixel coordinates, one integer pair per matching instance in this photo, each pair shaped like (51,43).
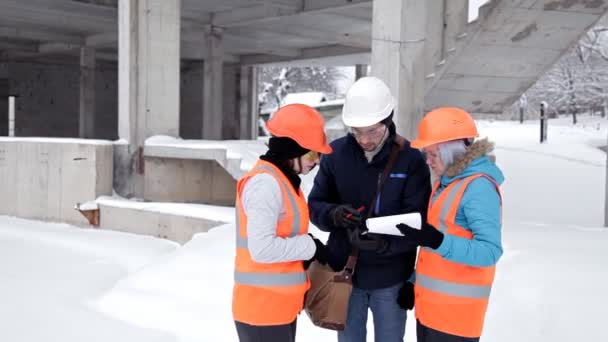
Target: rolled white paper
(386,224)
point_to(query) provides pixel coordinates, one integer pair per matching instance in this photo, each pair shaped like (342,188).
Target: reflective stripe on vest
(453,289)
(443,216)
(270,279)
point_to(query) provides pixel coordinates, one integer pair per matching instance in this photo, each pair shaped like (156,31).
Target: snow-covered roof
(312,99)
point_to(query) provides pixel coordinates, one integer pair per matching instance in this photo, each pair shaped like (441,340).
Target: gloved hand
(321,253)
(368,242)
(427,235)
(345,216)
(405,299)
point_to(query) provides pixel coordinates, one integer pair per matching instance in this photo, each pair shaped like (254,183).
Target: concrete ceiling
(255,31)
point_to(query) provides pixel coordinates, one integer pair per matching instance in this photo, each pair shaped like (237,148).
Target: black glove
(427,235)
(405,299)
(321,254)
(345,216)
(368,242)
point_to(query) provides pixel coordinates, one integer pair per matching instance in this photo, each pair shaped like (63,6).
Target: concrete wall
(188,180)
(162,225)
(47,99)
(45,179)
(47,103)
(191,105)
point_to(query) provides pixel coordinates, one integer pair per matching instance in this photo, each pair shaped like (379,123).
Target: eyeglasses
(312,156)
(371,133)
(426,154)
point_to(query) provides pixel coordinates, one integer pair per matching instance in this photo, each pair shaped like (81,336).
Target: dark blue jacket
(346,177)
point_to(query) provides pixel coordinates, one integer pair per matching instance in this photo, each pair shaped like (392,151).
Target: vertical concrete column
(248,103)
(11,116)
(213,84)
(434,35)
(148,77)
(4,108)
(360,71)
(86,123)
(398,40)
(456,18)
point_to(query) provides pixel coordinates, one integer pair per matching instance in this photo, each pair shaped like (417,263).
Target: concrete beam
(102,39)
(198,51)
(310,53)
(51,12)
(22,47)
(49,48)
(240,43)
(325,37)
(38,35)
(259,14)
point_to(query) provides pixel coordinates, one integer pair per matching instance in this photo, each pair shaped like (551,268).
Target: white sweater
(263,205)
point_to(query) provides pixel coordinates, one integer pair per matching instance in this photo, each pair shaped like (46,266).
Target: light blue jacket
(479,212)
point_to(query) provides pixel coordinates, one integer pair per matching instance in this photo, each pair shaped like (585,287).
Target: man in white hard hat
(344,190)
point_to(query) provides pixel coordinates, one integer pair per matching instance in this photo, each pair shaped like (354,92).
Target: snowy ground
(60,283)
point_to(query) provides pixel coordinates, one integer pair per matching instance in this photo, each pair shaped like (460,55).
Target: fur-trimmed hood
(477,159)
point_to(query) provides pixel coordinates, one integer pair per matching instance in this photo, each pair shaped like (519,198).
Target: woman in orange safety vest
(461,238)
(273,247)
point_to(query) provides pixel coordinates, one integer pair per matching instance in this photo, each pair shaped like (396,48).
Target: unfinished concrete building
(126,77)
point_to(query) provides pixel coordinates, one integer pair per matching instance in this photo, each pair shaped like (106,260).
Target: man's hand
(345,216)
(405,299)
(321,253)
(368,242)
(427,235)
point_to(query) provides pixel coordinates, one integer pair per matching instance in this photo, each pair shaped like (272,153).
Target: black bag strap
(399,143)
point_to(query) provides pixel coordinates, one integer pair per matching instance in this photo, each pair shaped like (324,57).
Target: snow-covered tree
(276,82)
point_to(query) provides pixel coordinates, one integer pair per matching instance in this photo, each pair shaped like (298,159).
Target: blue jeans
(389,318)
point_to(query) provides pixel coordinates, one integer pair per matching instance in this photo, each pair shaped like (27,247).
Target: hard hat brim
(326,149)
(420,144)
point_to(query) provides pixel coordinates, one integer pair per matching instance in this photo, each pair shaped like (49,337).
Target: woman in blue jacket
(461,238)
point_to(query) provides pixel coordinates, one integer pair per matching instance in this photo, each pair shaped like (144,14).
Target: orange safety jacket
(270,293)
(451,297)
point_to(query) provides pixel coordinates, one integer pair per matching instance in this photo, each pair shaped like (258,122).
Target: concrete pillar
(148,77)
(606,191)
(86,123)
(11,116)
(456,19)
(398,40)
(434,35)
(248,103)
(4,108)
(360,71)
(213,84)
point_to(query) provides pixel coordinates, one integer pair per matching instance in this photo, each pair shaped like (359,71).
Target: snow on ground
(60,283)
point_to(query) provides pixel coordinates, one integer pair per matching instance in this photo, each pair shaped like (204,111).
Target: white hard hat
(368,101)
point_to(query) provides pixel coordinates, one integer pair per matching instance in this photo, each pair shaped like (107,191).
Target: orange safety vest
(270,293)
(451,297)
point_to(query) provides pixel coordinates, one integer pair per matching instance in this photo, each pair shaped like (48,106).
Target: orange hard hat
(301,123)
(444,124)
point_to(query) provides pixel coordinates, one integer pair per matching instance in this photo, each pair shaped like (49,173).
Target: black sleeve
(323,197)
